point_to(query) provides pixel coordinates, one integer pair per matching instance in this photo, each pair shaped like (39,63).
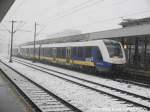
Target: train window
(80,51)
(47,52)
(74,51)
(114,49)
(88,51)
(98,54)
(63,52)
(43,52)
(27,50)
(54,52)
(30,51)
(50,52)
(36,51)
(59,52)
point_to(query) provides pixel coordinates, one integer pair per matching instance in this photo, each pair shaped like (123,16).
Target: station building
(137,46)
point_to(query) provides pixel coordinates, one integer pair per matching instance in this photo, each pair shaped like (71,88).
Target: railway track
(132,82)
(118,79)
(129,97)
(41,99)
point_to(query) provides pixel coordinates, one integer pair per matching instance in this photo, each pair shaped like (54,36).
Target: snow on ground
(91,101)
(120,85)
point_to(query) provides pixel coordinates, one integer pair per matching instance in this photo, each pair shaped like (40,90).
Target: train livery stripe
(63,60)
(86,63)
(46,58)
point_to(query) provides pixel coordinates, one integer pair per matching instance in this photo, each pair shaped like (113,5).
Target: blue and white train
(99,55)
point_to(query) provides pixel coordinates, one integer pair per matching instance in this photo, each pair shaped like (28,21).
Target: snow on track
(89,99)
(108,82)
(43,100)
(112,91)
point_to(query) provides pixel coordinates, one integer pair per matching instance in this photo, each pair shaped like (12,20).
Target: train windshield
(114,49)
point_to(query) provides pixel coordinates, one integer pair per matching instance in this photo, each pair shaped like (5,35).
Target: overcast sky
(53,16)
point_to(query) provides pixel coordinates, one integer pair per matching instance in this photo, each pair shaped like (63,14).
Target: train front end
(114,52)
(113,55)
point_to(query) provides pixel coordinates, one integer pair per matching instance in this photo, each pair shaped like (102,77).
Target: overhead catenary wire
(86,4)
(15,30)
(24,30)
(5,28)
(77,9)
(99,21)
(72,10)
(19,25)
(111,19)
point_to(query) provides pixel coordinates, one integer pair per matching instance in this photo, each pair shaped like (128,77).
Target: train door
(68,55)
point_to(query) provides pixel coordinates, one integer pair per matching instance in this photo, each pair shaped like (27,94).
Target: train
(97,55)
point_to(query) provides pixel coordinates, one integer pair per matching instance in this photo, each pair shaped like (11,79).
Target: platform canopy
(4,7)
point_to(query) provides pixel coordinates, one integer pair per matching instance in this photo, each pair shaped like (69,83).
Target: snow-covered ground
(120,85)
(91,101)
(107,90)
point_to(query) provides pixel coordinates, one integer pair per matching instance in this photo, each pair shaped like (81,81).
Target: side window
(36,51)
(98,54)
(60,52)
(57,52)
(88,51)
(42,51)
(74,51)
(47,52)
(54,52)
(63,52)
(50,52)
(80,51)
(27,50)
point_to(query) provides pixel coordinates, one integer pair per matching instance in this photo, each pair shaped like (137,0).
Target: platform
(9,99)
